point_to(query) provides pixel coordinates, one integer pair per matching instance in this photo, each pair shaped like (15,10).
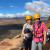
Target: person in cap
(27,32)
(39,33)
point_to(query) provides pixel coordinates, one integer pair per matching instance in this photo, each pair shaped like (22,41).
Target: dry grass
(6,22)
(48,24)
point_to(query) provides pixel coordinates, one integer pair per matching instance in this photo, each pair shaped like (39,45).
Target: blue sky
(21,8)
(13,6)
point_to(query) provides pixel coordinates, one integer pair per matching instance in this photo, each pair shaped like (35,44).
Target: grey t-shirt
(27,26)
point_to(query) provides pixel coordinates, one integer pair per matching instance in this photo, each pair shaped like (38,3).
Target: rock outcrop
(11,44)
(48,21)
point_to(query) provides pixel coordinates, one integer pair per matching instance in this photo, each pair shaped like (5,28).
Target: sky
(13,6)
(21,8)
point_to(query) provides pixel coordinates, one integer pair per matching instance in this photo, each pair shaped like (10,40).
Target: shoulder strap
(38,26)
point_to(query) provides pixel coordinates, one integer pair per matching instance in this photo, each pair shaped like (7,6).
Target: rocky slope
(15,43)
(9,44)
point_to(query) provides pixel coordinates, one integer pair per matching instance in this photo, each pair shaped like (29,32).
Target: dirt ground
(15,43)
(8,44)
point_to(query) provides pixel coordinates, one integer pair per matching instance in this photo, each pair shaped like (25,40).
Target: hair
(28,19)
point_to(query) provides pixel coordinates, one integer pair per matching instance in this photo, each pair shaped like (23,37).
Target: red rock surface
(15,43)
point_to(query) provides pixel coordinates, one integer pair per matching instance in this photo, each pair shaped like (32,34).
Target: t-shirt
(27,26)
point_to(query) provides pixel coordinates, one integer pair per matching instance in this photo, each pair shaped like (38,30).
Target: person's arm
(31,29)
(23,31)
(27,35)
(44,32)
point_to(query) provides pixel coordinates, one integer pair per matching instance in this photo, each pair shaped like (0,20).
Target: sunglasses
(37,18)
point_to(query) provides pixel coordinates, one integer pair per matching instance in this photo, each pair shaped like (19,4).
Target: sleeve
(32,28)
(44,26)
(24,25)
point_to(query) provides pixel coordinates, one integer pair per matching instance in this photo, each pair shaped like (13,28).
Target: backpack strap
(37,29)
(39,24)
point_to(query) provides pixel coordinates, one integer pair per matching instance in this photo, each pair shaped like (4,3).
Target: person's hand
(44,43)
(33,32)
(30,29)
(27,35)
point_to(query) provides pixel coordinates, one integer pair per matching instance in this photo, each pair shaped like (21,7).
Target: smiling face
(29,21)
(37,20)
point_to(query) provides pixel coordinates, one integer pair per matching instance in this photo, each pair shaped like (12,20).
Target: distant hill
(17,18)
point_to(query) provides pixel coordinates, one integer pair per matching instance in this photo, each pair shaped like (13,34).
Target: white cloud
(1,15)
(38,7)
(43,0)
(23,14)
(11,6)
(15,15)
(6,15)
(10,15)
